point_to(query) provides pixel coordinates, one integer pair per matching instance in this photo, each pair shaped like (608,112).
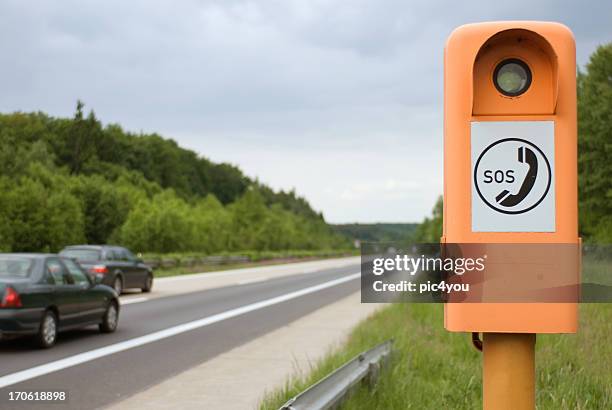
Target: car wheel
(47,333)
(118,285)
(110,319)
(148,285)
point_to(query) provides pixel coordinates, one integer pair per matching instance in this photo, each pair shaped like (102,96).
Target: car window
(122,255)
(11,266)
(81,254)
(55,269)
(130,256)
(77,274)
(111,255)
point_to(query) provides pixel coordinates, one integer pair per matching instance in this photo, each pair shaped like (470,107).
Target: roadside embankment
(433,368)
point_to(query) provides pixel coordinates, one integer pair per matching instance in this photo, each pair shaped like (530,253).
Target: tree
(211,226)
(595,146)
(161,225)
(249,214)
(42,218)
(78,138)
(105,207)
(430,230)
(6,228)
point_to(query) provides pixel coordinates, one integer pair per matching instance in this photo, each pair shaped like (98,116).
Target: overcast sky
(339,99)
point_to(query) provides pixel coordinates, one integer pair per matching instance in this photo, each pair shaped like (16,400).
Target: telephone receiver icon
(525,156)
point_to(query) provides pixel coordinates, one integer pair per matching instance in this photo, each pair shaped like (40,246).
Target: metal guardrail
(329,392)
(189,262)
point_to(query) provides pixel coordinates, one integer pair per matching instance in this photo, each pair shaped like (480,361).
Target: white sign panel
(513,176)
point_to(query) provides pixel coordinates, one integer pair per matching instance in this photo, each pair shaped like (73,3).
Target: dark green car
(41,295)
(112,265)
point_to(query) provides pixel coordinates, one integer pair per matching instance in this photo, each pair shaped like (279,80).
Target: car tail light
(99,269)
(11,299)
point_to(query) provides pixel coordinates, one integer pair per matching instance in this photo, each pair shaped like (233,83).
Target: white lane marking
(132,300)
(81,358)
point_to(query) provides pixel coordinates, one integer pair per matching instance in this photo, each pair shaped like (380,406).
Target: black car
(113,266)
(41,295)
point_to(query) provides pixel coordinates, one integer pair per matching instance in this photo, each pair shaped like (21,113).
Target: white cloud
(327,96)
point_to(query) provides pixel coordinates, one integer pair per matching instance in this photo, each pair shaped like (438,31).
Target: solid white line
(132,300)
(81,358)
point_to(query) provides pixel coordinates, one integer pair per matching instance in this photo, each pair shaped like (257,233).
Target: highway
(159,337)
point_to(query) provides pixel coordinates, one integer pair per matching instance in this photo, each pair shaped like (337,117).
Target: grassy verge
(433,368)
(254,259)
(164,272)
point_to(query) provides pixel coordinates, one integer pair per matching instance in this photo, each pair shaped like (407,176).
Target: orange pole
(508,371)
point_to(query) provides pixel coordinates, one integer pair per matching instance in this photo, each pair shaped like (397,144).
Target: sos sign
(512,176)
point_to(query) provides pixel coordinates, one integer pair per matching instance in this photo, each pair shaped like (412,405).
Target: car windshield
(11,266)
(82,254)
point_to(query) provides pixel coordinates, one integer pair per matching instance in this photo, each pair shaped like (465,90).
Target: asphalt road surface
(160,337)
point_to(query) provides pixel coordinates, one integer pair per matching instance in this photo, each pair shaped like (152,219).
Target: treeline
(377,232)
(430,230)
(594,155)
(595,147)
(66,181)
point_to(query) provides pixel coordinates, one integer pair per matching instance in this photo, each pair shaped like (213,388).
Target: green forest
(594,155)
(73,180)
(595,147)
(377,232)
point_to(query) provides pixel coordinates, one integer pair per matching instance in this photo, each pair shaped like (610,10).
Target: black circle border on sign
(501,210)
(524,66)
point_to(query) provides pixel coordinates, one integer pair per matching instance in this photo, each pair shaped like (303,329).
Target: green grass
(436,369)
(596,271)
(165,272)
(256,259)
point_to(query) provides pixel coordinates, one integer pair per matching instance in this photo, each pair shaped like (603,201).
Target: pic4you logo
(512,176)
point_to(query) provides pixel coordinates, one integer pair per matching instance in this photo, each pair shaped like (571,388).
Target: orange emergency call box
(510,156)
